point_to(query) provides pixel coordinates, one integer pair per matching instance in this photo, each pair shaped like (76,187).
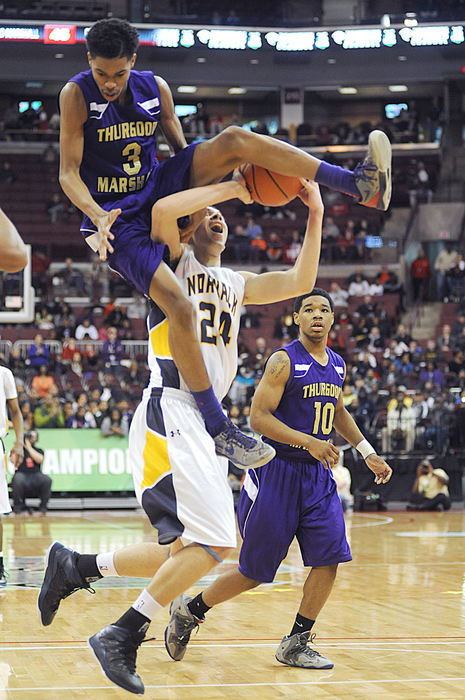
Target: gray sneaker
(373,176)
(182,623)
(294,651)
(245,452)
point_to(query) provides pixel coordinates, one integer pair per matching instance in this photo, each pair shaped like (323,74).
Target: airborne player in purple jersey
(296,406)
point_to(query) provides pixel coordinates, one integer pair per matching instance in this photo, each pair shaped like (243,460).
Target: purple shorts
(136,257)
(287,499)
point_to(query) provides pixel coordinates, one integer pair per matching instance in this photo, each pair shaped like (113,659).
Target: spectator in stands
(44,320)
(252,229)
(274,250)
(444,341)
(348,394)
(291,250)
(445,261)
(76,364)
(90,359)
(376,341)
(68,415)
(365,412)
(356,274)
(49,154)
(116,316)
(456,365)
(458,324)
(258,249)
(28,479)
(7,174)
(48,413)
(42,382)
(114,424)
(431,373)
(402,336)
(455,280)
(404,365)
(112,352)
(338,295)
(240,244)
(40,278)
(86,330)
(28,416)
(38,353)
(399,433)
(55,206)
(137,308)
(430,352)
(72,277)
(359,286)
(430,490)
(69,349)
(420,273)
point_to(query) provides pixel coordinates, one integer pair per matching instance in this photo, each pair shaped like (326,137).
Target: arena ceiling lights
(251,39)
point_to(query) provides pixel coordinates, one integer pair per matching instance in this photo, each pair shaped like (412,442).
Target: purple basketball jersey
(308,403)
(119,142)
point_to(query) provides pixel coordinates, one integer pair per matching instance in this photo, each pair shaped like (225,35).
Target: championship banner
(82,460)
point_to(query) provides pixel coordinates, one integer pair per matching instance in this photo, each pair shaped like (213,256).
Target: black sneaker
(116,651)
(61,578)
(245,452)
(2,575)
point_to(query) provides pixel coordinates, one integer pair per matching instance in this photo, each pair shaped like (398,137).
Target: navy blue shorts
(136,257)
(287,499)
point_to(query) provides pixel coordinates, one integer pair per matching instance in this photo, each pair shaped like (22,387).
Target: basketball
(269,188)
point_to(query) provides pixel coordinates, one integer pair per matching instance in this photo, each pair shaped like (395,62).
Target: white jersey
(7,391)
(217,294)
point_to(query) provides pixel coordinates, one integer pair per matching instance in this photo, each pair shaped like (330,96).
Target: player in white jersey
(8,394)
(177,476)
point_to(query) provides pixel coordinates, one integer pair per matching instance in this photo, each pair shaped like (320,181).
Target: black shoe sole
(94,644)
(50,571)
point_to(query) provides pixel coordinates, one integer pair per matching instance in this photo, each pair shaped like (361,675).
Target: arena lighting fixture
(237,91)
(187,88)
(401,58)
(398,88)
(348,90)
(59,55)
(201,59)
(410,19)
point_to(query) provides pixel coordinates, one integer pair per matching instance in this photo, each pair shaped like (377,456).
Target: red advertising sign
(60,34)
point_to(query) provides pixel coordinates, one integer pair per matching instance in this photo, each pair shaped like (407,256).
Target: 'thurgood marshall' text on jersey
(217,295)
(308,403)
(119,142)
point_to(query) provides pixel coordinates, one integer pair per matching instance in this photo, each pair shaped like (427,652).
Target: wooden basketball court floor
(394,625)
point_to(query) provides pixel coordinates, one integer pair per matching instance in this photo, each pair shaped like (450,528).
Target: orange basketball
(269,188)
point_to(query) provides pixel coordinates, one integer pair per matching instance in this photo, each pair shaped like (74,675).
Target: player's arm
(13,253)
(347,427)
(17,451)
(166,211)
(269,287)
(265,402)
(73,115)
(169,122)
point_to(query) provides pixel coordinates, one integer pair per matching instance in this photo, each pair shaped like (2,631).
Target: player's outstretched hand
(104,224)
(380,468)
(324,452)
(244,194)
(310,195)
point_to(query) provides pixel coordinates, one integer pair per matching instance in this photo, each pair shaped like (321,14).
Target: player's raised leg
(370,182)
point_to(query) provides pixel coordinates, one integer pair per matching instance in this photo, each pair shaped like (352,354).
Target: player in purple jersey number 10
(292,496)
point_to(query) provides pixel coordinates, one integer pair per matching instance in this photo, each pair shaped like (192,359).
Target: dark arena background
(321,75)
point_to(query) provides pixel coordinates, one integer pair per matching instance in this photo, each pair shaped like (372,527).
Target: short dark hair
(112,38)
(316,292)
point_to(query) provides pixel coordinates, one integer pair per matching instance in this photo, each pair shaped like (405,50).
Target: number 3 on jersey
(207,325)
(323,418)
(131,153)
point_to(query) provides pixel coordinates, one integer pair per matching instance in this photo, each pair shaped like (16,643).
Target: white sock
(105,564)
(146,605)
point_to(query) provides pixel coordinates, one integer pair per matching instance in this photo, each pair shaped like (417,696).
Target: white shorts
(4,500)
(179,480)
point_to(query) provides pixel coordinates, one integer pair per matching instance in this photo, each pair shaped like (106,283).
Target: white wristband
(365,448)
